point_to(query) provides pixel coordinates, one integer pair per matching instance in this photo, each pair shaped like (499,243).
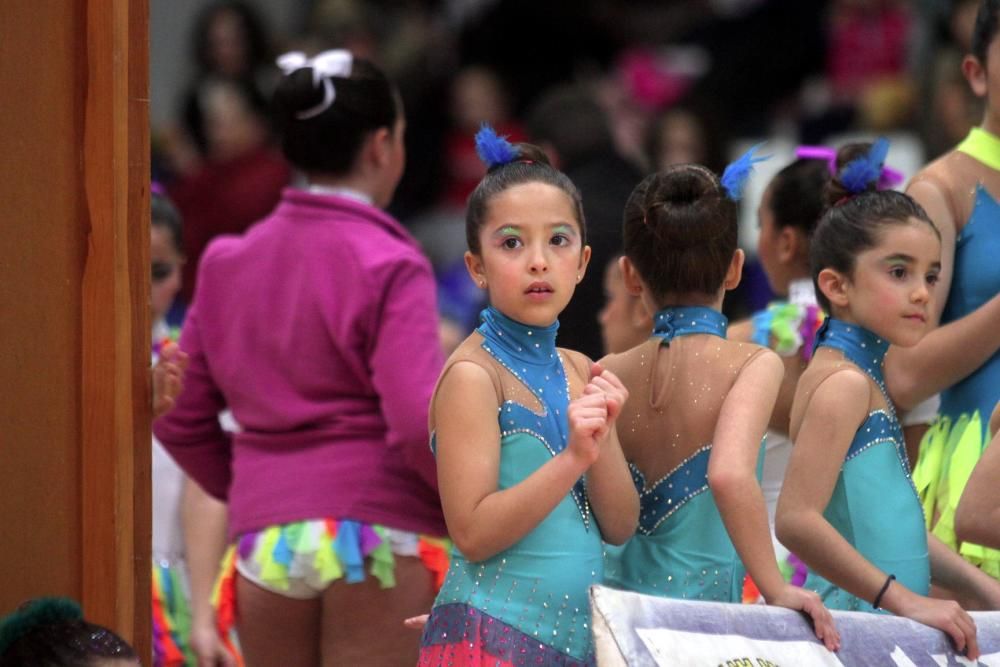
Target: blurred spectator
(682,135)
(625,321)
(572,128)
(241,176)
(477,97)
(953,108)
(228,41)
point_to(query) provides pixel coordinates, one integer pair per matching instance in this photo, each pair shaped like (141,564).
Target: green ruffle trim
(948,454)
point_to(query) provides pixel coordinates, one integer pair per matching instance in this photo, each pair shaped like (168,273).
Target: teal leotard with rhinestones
(681,548)
(527,604)
(874,505)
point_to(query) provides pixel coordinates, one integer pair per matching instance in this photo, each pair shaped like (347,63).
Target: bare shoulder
(625,364)
(579,361)
(763,359)
(843,386)
(939,174)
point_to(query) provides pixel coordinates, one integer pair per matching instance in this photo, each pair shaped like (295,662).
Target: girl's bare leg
(362,623)
(276,630)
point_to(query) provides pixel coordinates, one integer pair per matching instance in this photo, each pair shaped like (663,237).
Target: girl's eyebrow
(899,257)
(906,259)
(508,230)
(563,228)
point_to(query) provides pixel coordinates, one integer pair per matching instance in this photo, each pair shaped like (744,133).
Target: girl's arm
(482,519)
(949,353)
(967,581)
(204,521)
(836,409)
(977,518)
(405,359)
(191,430)
(610,488)
(733,480)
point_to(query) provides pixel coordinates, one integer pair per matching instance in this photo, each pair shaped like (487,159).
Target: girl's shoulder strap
(815,375)
(470,351)
(577,363)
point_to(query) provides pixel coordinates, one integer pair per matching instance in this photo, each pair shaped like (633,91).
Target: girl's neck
(991,122)
(691,299)
(845,317)
(525,342)
(349,185)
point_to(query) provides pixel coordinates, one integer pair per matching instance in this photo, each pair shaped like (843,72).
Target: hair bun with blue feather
(735,176)
(859,174)
(494,150)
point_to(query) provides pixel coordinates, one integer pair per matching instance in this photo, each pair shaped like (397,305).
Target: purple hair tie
(889,178)
(156,188)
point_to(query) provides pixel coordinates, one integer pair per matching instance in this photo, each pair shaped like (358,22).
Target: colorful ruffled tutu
(319,551)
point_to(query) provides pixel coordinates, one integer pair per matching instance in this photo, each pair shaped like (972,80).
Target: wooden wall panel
(41,262)
(74,322)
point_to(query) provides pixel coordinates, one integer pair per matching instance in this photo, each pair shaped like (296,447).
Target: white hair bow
(328,63)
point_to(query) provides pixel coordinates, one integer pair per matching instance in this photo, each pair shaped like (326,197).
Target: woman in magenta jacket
(318,329)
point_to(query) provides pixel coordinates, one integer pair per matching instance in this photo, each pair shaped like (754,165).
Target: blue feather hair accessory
(736,174)
(493,149)
(865,170)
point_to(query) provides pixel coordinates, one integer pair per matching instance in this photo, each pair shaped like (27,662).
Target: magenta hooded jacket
(318,329)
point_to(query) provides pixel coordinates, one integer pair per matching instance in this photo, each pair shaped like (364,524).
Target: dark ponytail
(329,141)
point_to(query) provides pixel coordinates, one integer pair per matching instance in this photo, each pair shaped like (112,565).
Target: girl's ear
(633,284)
(975,74)
(584,263)
(833,284)
(474,265)
(379,146)
(789,244)
(735,271)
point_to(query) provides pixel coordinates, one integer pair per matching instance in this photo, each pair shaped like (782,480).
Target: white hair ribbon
(328,63)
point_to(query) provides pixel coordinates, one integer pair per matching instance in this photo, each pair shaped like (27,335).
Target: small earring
(579,277)
(482,284)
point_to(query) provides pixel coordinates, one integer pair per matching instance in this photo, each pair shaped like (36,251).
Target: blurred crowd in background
(613,90)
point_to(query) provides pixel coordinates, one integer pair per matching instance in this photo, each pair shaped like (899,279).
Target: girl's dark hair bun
(680,231)
(836,192)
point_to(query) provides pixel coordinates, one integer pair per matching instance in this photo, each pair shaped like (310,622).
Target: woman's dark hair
(797,194)
(329,142)
(165,215)
(51,632)
(257,50)
(530,166)
(680,231)
(851,227)
(985,29)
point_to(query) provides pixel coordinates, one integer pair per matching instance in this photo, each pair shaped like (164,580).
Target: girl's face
(767,245)
(532,255)
(892,288)
(166,266)
(625,322)
(780,249)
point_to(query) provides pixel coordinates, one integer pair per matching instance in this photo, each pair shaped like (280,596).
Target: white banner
(641,630)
